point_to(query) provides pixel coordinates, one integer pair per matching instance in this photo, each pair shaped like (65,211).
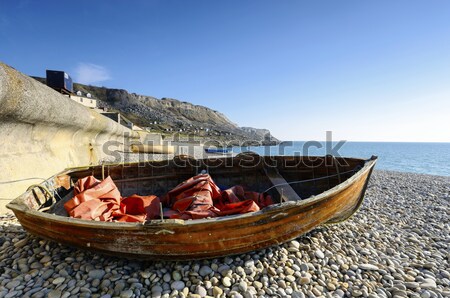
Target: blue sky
(366,70)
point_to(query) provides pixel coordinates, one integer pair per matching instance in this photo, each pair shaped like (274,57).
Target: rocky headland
(168,116)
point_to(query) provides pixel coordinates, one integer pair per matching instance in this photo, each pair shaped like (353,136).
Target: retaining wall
(43,132)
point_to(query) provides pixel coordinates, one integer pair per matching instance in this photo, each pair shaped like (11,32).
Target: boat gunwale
(19,206)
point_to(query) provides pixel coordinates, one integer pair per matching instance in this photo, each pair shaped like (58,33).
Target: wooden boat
(218,150)
(309,191)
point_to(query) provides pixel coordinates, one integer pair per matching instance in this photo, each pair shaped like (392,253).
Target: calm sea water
(424,158)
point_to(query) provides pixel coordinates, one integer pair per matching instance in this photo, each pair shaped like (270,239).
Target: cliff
(168,115)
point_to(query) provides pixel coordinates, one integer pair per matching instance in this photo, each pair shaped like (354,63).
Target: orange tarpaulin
(94,199)
(193,198)
(200,197)
(197,197)
(101,200)
(140,208)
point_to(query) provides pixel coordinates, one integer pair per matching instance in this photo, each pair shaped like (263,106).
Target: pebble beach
(396,245)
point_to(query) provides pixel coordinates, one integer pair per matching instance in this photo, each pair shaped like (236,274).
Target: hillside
(168,115)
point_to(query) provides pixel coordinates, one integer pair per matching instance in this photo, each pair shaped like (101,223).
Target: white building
(87,100)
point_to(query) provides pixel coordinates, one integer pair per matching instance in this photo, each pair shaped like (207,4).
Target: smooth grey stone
(47,274)
(201,291)
(12,284)
(54,294)
(177,285)
(318,253)
(205,270)
(126,294)
(367,267)
(96,273)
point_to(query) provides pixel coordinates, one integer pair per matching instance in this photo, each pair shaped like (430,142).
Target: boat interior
(285,178)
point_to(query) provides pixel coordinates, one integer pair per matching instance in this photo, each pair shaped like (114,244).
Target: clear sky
(366,70)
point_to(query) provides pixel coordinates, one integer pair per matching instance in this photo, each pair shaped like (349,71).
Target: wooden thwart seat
(287,193)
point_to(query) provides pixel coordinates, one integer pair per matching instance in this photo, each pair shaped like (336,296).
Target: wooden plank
(287,193)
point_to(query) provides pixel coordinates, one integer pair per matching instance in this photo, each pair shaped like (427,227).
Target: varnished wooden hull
(206,238)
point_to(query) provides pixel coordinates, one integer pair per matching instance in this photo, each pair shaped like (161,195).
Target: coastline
(426,158)
(396,244)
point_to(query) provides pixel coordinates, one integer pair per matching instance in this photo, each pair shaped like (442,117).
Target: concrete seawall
(43,132)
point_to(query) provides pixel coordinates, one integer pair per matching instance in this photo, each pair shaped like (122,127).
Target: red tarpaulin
(197,197)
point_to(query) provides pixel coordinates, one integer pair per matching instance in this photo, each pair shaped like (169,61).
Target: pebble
(21,243)
(46,259)
(58,280)
(96,273)
(126,294)
(54,294)
(226,281)
(290,278)
(217,291)
(12,284)
(223,269)
(367,267)
(297,294)
(294,243)
(304,280)
(331,287)
(258,285)
(157,290)
(205,270)
(167,277)
(249,263)
(95,283)
(319,254)
(289,271)
(243,286)
(177,285)
(411,285)
(428,284)
(201,291)
(11,294)
(176,275)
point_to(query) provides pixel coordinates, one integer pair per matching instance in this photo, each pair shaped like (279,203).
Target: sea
(423,158)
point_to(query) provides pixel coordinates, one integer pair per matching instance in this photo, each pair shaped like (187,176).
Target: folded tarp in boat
(101,200)
(198,197)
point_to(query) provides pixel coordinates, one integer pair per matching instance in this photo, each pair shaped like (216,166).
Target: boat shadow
(21,253)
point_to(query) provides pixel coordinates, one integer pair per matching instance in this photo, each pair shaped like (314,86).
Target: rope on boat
(49,189)
(46,191)
(336,166)
(310,180)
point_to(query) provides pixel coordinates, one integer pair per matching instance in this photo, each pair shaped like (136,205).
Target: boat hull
(205,238)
